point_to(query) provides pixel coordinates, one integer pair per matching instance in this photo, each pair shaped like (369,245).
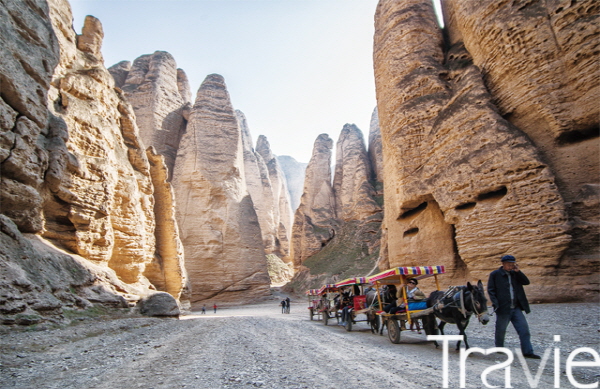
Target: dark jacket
(499,291)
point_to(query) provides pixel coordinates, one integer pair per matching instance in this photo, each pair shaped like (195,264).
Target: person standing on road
(215,307)
(204,309)
(505,288)
(287,305)
(283,306)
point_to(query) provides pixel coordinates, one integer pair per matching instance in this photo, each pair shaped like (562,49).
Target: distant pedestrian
(283,306)
(215,308)
(287,305)
(204,309)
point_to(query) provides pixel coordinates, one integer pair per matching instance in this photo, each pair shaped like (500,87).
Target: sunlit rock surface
(221,235)
(465,181)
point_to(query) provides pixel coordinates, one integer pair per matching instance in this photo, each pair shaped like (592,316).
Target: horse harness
(454,297)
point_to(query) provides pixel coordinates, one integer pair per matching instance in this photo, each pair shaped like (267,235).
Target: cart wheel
(393,331)
(325,317)
(348,325)
(311,313)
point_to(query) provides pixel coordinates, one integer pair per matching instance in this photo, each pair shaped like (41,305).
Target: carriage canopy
(417,272)
(352,281)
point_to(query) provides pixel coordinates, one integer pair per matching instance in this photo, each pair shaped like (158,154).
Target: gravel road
(257,346)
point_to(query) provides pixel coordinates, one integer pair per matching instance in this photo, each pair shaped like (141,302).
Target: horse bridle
(473,304)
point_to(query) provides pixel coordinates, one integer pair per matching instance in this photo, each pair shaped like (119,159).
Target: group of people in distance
(285,305)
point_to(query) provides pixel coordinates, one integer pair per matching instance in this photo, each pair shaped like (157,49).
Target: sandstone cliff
(352,183)
(221,235)
(282,209)
(375,152)
(158,92)
(74,171)
(294,173)
(353,248)
(315,219)
(463,183)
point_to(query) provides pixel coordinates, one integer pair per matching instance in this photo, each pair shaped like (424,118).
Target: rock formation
(294,172)
(315,219)
(354,193)
(353,248)
(375,151)
(77,223)
(281,205)
(119,72)
(221,235)
(158,92)
(259,187)
(463,183)
(167,271)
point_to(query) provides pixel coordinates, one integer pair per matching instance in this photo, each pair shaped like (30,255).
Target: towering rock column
(220,232)
(158,92)
(259,186)
(315,219)
(354,192)
(462,185)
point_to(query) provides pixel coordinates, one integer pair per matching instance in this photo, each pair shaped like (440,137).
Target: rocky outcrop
(167,270)
(259,187)
(77,208)
(154,87)
(221,235)
(547,86)
(375,152)
(354,244)
(281,200)
(354,193)
(464,185)
(294,172)
(315,219)
(119,72)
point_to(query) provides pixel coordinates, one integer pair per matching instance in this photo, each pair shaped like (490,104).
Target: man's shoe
(532,356)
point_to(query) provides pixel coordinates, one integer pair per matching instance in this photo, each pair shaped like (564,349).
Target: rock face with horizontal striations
(354,192)
(221,235)
(464,185)
(543,75)
(77,224)
(315,219)
(281,204)
(294,172)
(167,270)
(259,186)
(154,87)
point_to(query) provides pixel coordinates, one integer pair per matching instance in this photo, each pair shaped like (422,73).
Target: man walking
(505,288)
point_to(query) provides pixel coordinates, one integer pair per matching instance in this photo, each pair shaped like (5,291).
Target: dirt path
(257,346)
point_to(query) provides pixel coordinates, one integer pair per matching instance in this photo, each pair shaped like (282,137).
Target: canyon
(118,186)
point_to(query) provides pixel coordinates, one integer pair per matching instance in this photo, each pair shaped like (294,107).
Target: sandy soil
(257,346)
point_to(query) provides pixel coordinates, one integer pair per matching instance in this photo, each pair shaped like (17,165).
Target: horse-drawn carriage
(313,303)
(326,305)
(353,307)
(399,276)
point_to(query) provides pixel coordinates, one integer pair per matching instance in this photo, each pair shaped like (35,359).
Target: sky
(296,68)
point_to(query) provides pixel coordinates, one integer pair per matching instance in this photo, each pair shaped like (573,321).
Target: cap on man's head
(508,258)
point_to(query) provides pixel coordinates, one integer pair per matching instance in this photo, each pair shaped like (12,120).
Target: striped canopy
(409,272)
(352,281)
(312,292)
(327,288)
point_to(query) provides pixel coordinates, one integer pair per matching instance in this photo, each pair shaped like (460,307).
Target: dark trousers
(517,318)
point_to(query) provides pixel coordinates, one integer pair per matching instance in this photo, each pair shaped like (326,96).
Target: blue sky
(296,68)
